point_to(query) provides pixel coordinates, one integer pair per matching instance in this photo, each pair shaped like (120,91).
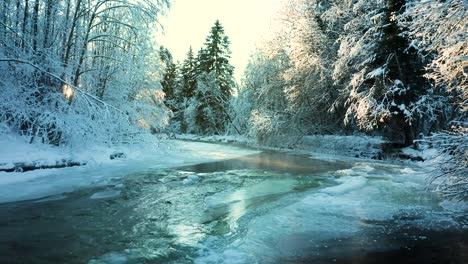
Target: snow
(105,194)
(321,146)
(100,169)
(341,145)
(348,184)
(191,179)
(214,138)
(377,72)
(426,153)
(16,149)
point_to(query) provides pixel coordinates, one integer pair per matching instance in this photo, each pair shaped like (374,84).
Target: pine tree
(169,79)
(215,81)
(215,57)
(384,77)
(187,86)
(188,80)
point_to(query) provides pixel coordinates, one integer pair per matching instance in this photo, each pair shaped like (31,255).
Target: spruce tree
(404,73)
(188,81)
(187,86)
(169,79)
(215,82)
(384,77)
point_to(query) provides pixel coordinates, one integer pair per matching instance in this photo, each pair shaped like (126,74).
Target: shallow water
(265,208)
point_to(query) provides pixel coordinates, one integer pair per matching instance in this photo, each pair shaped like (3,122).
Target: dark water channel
(265,208)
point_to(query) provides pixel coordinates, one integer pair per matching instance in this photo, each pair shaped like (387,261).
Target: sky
(188,22)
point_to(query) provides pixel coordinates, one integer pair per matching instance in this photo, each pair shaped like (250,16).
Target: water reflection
(271,161)
(188,234)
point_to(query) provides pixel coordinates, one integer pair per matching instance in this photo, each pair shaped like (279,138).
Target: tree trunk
(48,24)
(68,43)
(25,23)
(35,25)
(4,18)
(83,50)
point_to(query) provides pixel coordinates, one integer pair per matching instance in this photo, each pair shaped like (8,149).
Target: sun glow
(68,91)
(245,23)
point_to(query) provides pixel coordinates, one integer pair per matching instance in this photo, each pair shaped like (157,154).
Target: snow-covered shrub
(240,111)
(272,129)
(439,29)
(45,114)
(190,116)
(451,177)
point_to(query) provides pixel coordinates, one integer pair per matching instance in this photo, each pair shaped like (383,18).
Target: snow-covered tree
(292,77)
(215,81)
(268,119)
(311,48)
(188,81)
(211,116)
(76,70)
(187,84)
(169,79)
(382,74)
(440,29)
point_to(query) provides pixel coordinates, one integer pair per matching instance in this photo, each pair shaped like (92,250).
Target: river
(271,207)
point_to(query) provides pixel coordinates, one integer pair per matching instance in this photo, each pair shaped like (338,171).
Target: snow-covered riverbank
(355,146)
(99,168)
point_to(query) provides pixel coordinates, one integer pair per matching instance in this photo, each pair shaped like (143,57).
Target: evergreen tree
(188,78)
(187,86)
(169,79)
(215,82)
(215,57)
(383,77)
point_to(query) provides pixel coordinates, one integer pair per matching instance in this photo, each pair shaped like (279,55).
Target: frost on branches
(290,76)
(440,29)
(382,73)
(452,180)
(76,72)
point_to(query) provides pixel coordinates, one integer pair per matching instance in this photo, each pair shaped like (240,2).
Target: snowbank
(99,170)
(214,138)
(15,149)
(353,146)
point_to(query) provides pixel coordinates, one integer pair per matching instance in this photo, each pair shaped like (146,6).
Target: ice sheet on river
(357,211)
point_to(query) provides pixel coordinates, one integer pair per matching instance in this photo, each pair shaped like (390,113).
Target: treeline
(391,67)
(79,71)
(199,90)
(396,68)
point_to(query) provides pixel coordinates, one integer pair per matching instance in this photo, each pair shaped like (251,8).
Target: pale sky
(188,22)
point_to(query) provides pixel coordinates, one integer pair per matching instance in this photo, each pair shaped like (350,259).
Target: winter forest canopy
(92,72)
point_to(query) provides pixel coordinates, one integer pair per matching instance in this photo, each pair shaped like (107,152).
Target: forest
(80,71)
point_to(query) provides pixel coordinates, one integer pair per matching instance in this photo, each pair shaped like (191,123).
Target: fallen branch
(23,167)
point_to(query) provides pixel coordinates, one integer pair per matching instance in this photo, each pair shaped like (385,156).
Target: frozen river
(267,207)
